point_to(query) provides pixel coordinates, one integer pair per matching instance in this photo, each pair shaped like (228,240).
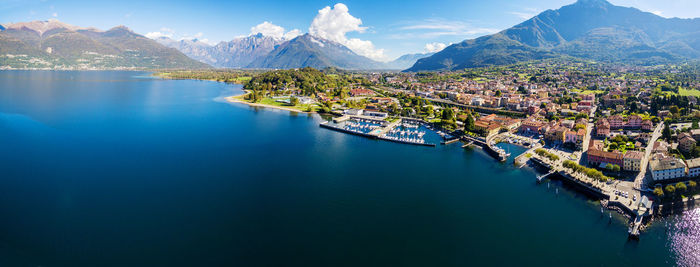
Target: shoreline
(234,99)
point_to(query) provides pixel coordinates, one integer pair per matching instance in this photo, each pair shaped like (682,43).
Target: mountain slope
(53,44)
(593,29)
(406,60)
(309,51)
(236,53)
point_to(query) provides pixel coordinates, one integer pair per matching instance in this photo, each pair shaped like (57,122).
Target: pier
(379,133)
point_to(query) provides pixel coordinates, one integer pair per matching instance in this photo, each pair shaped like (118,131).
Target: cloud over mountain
(268,29)
(434,47)
(334,23)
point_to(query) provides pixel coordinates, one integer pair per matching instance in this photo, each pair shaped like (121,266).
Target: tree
(680,187)
(616,168)
(448,114)
(293,101)
(498,93)
(692,186)
(658,192)
(695,125)
(670,189)
(469,123)
(666,133)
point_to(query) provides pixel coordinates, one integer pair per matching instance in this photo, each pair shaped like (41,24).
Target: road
(639,180)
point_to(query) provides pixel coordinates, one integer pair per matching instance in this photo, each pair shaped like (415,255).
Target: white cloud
(54,14)
(272,30)
(334,23)
(526,13)
(434,47)
(434,28)
(156,35)
(291,34)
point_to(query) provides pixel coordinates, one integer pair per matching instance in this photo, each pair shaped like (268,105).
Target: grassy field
(588,92)
(299,107)
(688,92)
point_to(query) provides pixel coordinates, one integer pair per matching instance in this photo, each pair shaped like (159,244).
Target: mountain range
(264,52)
(55,45)
(589,29)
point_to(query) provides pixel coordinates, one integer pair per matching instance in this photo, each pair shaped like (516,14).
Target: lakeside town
(625,135)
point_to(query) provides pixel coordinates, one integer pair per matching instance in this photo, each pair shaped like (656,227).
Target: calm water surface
(119,169)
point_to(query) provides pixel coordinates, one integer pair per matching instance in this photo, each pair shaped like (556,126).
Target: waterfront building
(666,168)
(693,167)
(353,112)
(375,114)
(532,126)
(598,156)
(632,161)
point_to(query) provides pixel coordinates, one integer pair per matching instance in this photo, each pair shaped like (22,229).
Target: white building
(666,168)
(693,167)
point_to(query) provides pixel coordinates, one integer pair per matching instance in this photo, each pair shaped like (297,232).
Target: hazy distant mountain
(54,44)
(240,52)
(592,29)
(406,61)
(236,53)
(194,49)
(310,51)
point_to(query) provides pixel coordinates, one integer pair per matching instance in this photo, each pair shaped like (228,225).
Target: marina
(408,132)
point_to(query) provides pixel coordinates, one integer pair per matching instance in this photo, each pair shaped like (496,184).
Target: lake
(116,168)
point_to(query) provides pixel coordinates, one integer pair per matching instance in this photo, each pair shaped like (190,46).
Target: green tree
(680,187)
(658,192)
(616,168)
(469,123)
(670,189)
(293,101)
(666,133)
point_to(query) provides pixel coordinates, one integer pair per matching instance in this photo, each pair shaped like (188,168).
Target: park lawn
(299,107)
(688,92)
(242,79)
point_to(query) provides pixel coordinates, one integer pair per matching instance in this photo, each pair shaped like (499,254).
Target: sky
(381,30)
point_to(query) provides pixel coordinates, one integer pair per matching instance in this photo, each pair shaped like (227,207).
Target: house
(602,128)
(634,122)
(532,126)
(666,168)
(632,160)
(597,155)
(570,137)
(353,112)
(488,127)
(647,125)
(376,114)
(686,142)
(695,133)
(693,167)
(361,92)
(660,147)
(580,135)
(616,122)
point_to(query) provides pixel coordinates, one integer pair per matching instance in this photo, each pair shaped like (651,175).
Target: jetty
(380,130)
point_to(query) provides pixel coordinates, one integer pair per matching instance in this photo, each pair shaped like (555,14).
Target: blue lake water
(120,169)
